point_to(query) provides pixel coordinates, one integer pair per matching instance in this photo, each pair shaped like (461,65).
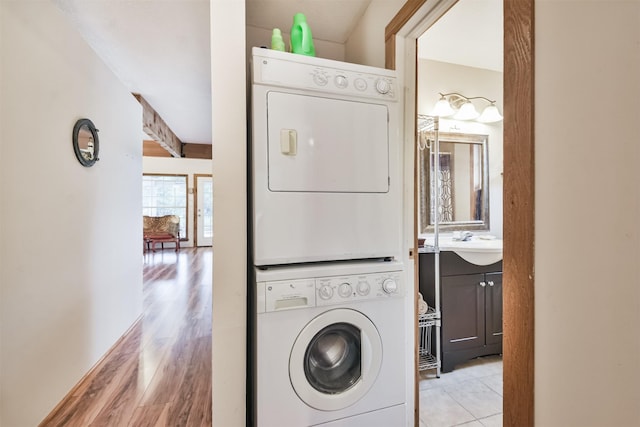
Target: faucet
(463,236)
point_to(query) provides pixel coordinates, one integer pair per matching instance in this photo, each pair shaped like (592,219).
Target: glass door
(204,210)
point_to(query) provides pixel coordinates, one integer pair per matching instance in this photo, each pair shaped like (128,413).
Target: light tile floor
(470,395)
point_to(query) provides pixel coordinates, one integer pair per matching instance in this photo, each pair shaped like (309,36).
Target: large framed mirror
(463,182)
(85,142)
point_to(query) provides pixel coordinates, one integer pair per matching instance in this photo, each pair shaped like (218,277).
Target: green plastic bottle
(301,38)
(277,43)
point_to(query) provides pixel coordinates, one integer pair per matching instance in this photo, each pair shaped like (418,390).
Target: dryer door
(335,359)
(327,145)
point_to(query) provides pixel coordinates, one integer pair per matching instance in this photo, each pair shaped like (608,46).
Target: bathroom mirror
(85,142)
(463,182)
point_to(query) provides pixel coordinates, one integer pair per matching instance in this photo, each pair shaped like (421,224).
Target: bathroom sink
(477,250)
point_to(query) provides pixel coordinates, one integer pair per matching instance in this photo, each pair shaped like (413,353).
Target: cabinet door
(427,281)
(494,308)
(463,312)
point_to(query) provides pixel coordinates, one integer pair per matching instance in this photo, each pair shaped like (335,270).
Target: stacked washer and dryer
(330,342)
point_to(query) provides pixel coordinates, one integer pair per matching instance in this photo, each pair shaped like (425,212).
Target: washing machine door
(335,359)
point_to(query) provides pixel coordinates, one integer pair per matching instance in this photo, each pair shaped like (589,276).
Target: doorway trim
(518,191)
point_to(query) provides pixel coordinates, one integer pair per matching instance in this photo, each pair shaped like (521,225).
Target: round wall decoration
(85,142)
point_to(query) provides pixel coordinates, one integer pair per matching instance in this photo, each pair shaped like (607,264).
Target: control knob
(341,81)
(383,86)
(363,288)
(344,290)
(320,79)
(360,84)
(390,286)
(325,292)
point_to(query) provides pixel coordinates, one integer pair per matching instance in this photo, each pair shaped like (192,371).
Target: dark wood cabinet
(493,304)
(470,303)
(463,312)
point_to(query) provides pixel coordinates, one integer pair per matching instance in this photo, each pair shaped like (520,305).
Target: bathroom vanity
(454,198)
(470,304)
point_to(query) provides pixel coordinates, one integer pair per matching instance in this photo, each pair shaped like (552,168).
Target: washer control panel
(342,289)
(286,295)
(322,291)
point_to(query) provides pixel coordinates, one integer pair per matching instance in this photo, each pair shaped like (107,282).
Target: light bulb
(442,108)
(466,112)
(490,115)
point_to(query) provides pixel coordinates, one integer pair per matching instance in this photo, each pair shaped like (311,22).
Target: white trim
(405,60)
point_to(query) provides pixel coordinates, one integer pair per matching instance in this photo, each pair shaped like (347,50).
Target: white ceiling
(161,48)
(470,34)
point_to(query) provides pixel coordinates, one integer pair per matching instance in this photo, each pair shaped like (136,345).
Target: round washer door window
(335,360)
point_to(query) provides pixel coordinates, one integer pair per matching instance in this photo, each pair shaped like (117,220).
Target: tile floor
(470,395)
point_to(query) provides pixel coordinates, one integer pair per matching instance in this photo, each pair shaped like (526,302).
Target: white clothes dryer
(331,346)
(326,156)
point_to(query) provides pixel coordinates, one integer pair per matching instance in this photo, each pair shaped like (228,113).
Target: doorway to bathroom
(460,76)
(401,34)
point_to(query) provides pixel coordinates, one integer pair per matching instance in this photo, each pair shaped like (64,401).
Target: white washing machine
(326,156)
(331,345)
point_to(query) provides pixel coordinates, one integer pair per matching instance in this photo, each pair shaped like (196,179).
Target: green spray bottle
(301,38)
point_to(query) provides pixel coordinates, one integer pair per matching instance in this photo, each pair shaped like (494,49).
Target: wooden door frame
(518,195)
(195,204)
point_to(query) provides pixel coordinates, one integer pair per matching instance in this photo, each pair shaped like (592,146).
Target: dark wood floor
(159,373)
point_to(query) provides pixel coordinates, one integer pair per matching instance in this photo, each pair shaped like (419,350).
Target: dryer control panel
(275,68)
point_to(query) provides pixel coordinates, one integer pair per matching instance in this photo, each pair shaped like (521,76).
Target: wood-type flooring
(159,372)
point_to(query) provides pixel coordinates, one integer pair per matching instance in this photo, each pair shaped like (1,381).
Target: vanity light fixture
(461,108)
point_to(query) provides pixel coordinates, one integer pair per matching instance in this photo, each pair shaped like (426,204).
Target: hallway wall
(587,213)
(230,285)
(71,252)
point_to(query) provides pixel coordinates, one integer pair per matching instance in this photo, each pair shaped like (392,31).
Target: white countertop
(481,249)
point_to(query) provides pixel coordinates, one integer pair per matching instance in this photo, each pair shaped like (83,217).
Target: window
(166,195)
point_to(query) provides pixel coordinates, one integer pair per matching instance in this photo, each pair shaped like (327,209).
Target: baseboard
(91,370)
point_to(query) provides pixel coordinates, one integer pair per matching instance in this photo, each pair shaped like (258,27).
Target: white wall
(181,166)
(70,254)
(366,43)
(587,213)
(435,77)
(324,49)
(228,84)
